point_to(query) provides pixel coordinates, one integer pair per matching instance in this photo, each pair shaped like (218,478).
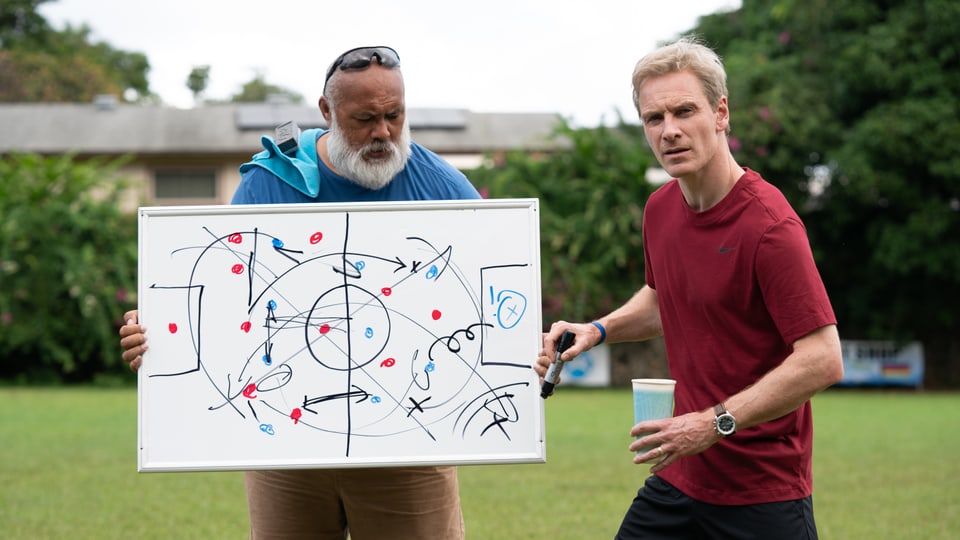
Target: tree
(591,195)
(38,63)
(197,81)
(39,77)
(258,90)
(68,263)
(21,23)
(851,108)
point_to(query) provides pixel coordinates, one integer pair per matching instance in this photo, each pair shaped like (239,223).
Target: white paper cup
(652,400)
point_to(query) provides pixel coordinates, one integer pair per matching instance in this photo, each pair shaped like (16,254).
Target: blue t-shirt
(426,177)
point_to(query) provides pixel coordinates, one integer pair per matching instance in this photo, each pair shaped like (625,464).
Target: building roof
(105,127)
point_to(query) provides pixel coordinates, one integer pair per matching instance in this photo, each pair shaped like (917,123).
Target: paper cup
(652,400)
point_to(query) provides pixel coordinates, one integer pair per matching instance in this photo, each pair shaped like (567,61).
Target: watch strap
(723,415)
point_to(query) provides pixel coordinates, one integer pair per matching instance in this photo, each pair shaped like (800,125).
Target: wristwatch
(724,423)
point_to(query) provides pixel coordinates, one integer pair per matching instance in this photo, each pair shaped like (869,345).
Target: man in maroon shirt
(749,331)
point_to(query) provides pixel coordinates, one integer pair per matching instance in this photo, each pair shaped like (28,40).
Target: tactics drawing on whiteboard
(352,337)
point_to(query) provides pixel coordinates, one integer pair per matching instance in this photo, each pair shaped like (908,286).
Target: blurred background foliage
(851,108)
(68,267)
(591,207)
(38,63)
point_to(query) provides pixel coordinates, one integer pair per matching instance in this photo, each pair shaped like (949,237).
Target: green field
(885,467)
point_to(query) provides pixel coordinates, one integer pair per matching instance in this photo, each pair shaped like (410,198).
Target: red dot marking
(237,269)
(296,414)
(436,315)
(172,327)
(387,291)
(249,390)
(324,328)
(235,238)
(389,362)
(316,237)
(245,326)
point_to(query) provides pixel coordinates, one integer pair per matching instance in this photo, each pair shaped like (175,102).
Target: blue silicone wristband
(603,332)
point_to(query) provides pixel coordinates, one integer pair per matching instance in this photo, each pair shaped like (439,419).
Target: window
(185,185)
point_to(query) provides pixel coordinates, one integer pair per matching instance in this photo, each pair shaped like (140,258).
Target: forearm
(815,363)
(636,320)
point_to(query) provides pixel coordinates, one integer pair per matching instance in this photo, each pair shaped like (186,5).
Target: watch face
(726,424)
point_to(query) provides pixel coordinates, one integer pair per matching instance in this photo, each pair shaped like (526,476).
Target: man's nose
(671,128)
(381,129)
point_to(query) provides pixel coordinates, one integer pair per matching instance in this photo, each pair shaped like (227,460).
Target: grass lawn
(885,467)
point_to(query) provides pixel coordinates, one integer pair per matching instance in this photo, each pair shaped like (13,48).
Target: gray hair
(333,90)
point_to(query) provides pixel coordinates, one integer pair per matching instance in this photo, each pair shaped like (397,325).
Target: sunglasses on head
(361,58)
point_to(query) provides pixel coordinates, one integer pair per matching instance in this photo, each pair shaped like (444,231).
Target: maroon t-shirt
(736,285)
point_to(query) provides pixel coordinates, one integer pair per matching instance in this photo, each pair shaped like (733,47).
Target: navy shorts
(662,511)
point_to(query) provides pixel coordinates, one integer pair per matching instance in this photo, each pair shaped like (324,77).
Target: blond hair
(685,54)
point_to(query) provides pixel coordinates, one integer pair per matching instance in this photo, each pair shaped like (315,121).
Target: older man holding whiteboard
(366,155)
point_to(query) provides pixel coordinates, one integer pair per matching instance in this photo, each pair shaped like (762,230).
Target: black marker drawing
(343,336)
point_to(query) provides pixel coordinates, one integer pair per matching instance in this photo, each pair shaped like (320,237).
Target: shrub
(68,262)
(591,195)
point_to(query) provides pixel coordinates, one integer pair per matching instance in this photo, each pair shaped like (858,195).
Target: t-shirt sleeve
(244,193)
(437,177)
(792,288)
(465,189)
(456,185)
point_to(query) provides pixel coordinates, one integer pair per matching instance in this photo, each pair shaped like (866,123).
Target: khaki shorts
(397,503)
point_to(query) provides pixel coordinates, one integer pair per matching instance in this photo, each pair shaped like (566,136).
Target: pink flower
(734,144)
(6,317)
(764,113)
(784,38)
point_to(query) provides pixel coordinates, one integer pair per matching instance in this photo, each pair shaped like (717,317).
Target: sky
(572,58)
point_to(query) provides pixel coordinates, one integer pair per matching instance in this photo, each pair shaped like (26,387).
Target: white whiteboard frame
(181,427)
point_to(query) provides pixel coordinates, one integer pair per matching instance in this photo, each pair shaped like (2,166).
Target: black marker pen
(553,372)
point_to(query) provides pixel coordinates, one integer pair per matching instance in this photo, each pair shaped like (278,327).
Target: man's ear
(723,115)
(325,108)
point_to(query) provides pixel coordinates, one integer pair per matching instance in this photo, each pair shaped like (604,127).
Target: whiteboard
(339,335)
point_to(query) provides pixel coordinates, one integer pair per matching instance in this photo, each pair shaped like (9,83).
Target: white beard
(372,175)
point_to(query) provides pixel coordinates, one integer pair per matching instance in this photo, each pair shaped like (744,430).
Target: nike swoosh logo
(726,249)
